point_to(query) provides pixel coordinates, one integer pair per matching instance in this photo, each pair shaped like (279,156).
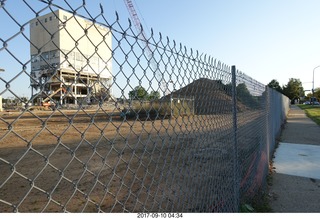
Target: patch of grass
(312,111)
(258,205)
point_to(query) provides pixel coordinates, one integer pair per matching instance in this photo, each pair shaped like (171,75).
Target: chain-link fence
(116,122)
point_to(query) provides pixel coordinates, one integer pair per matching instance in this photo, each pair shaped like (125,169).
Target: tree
(275,85)
(316,94)
(293,89)
(243,92)
(244,96)
(154,95)
(138,93)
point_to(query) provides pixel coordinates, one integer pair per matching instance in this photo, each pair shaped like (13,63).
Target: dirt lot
(95,161)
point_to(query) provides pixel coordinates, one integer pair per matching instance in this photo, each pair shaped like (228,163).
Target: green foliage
(140,93)
(245,96)
(16,100)
(293,89)
(275,85)
(246,208)
(259,203)
(242,91)
(312,111)
(154,95)
(316,94)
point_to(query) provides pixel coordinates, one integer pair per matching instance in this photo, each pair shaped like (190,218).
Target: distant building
(71,58)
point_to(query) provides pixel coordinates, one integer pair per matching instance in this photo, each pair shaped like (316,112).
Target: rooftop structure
(71,58)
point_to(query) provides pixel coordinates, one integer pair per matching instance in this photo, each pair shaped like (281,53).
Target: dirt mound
(209,96)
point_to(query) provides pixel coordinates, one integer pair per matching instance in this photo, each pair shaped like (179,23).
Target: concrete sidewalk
(296,180)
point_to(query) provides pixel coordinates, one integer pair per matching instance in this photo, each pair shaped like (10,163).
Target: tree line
(140,93)
(293,89)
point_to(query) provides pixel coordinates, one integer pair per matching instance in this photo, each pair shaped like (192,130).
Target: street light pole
(313,82)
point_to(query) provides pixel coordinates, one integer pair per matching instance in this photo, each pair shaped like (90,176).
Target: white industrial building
(71,58)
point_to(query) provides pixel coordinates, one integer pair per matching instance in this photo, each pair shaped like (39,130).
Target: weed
(246,208)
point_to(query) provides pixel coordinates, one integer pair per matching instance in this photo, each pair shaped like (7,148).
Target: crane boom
(136,21)
(135,18)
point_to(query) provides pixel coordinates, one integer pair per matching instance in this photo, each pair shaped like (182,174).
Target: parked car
(311,103)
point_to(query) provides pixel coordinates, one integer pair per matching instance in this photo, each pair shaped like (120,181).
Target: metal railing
(192,135)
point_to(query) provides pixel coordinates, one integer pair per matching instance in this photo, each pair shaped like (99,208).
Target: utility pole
(313,99)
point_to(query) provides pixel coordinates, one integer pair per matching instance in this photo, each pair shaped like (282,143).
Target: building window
(50,18)
(36,23)
(65,17)
(45,20)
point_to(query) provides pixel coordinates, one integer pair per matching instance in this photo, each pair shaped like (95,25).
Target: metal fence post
(235,154)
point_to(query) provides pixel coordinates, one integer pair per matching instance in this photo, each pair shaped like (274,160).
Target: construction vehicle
(47,103)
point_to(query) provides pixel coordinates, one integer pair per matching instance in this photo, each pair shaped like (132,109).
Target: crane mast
(136,21)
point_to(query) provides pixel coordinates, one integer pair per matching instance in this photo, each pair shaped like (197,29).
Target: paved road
(296,181)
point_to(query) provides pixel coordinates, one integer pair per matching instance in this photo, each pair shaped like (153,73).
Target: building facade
(71,59)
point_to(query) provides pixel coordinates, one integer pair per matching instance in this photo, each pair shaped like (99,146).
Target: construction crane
(136,21)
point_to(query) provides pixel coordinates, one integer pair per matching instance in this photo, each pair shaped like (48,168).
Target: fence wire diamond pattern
(115,123)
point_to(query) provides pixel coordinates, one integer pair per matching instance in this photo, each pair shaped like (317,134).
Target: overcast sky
(266,39)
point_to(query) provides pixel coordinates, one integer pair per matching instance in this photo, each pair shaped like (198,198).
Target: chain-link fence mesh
(119,123)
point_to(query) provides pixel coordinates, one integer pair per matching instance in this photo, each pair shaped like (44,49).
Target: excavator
(46,103)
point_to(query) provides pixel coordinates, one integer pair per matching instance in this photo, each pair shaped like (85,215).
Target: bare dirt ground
(95,161)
